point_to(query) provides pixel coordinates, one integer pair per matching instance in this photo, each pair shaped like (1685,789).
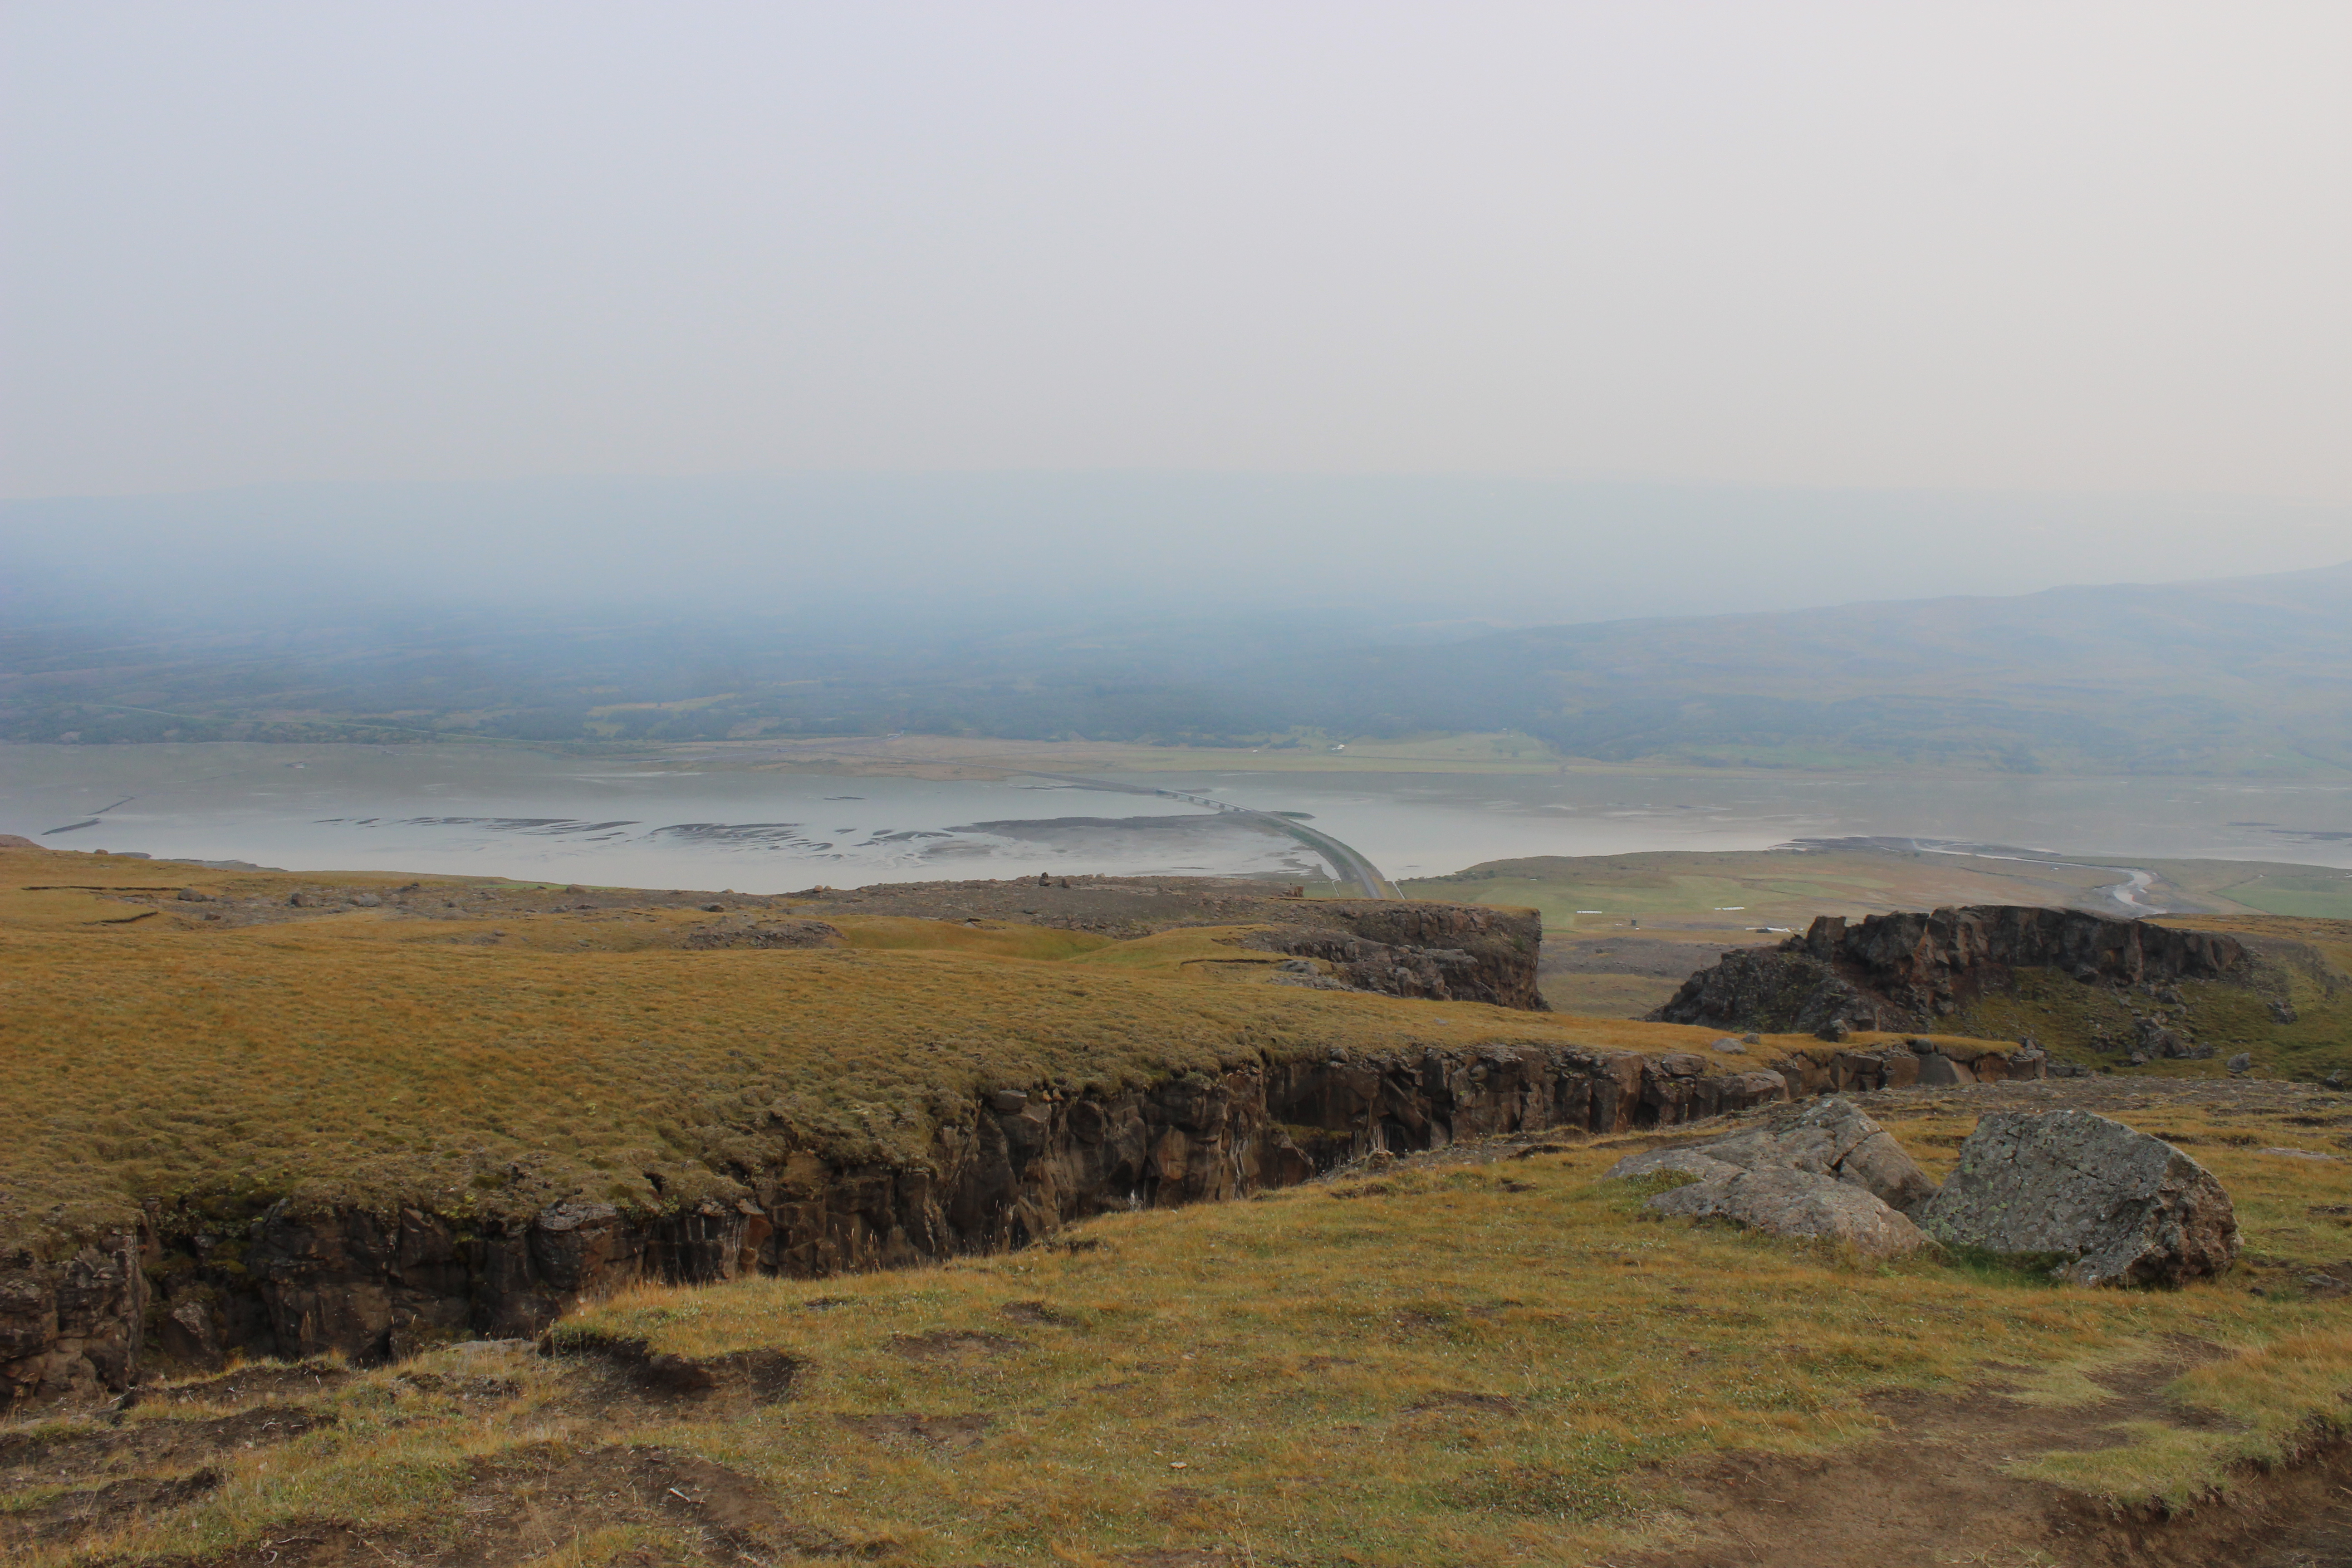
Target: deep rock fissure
(187,1285)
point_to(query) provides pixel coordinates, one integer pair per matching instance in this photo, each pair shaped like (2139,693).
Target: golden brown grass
(502,1063)
(1440,1364)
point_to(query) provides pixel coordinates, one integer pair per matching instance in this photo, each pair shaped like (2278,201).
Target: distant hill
(2245,677)
(2251,674)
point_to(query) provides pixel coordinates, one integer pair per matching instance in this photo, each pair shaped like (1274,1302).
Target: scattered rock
(1824,1168)
(1937,1070)
(2156,1040)
(2113,1204)
(1828,1138)
(1731,1045)
(1688,1162)
(1784,1201)
(190,1337)
(2242,1062)
(2299,1154)
(1837,1031)
(762,934)
(2283,1012)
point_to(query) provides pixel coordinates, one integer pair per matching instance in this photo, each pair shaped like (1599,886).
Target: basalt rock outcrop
(73,1325)
(1008,1169)
(1442,952)
(1445,952)
(1916,1062)
(2105,1204)
(752,933)
(1905,971)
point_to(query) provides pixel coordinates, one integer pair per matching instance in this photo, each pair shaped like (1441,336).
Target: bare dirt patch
(51,1457)
(264,1380)
(68,1514)
(1454,1399)
(1940,1474)
(954,1345)
(662,1377)
(1040,1314)
(531,1502)
(954,1432)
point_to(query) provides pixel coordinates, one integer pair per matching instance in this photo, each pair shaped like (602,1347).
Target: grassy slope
(2231,1018)
(1449,1364)
(1668,889)
(1789,887)
(507,1062)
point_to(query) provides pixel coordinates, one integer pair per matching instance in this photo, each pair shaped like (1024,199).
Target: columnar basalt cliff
(1905,971)
(1016,1166)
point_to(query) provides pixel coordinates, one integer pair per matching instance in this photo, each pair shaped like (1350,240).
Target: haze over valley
(1178,785)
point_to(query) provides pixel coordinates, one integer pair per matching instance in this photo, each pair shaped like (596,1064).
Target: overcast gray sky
(2041,245)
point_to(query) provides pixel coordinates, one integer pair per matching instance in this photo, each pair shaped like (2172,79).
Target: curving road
(1347,865)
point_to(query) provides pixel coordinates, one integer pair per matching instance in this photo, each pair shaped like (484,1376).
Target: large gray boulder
(2112,1205)
(1782,1200)
(1821,1169)
(1828,1137)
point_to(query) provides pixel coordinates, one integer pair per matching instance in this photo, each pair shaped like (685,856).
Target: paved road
(1347,863)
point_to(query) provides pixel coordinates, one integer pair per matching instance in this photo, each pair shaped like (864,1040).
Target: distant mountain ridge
(2241,677)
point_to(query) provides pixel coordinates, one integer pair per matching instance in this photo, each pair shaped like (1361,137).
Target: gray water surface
(512,812)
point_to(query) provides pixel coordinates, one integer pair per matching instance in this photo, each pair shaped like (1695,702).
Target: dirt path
(1936,1489)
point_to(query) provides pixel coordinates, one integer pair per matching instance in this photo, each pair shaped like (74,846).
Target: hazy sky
(2041,246)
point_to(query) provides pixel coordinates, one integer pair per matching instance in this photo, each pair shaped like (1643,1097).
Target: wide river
(512,812)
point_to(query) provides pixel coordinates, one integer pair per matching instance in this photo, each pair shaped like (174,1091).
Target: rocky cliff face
(74,1325)
(1013,1168)
(1903,970)
(1446,953)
